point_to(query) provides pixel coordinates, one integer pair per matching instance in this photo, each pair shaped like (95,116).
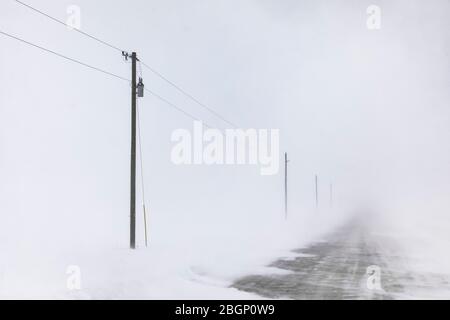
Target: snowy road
(348,265)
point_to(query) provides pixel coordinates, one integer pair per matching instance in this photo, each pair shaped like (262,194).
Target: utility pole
(331,195)
(133,154)
(137,90)
(285,185)
(317,193)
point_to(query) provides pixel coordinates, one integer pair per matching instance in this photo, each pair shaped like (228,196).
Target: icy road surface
(353,263)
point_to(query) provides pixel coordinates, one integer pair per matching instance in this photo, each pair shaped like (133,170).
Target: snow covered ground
(189,262)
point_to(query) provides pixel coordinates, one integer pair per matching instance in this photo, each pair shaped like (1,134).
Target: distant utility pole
(285,185)
(317,192)
(331,195)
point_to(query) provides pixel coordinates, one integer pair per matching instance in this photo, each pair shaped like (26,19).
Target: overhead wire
(153,70)
(141,161)
(67,25)
(179,109)
(63,56)
(184,92)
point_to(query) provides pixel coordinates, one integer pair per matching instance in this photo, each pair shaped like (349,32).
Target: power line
(64,57)
(177,108)
(140,144)
(140,151)
(189,95)
(65,24)
(142,172)
(140,63)
(102,71)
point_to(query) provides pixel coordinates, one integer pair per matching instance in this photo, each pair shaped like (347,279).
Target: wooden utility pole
(285,185)
(317,192)
(133,154)
(331,195)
